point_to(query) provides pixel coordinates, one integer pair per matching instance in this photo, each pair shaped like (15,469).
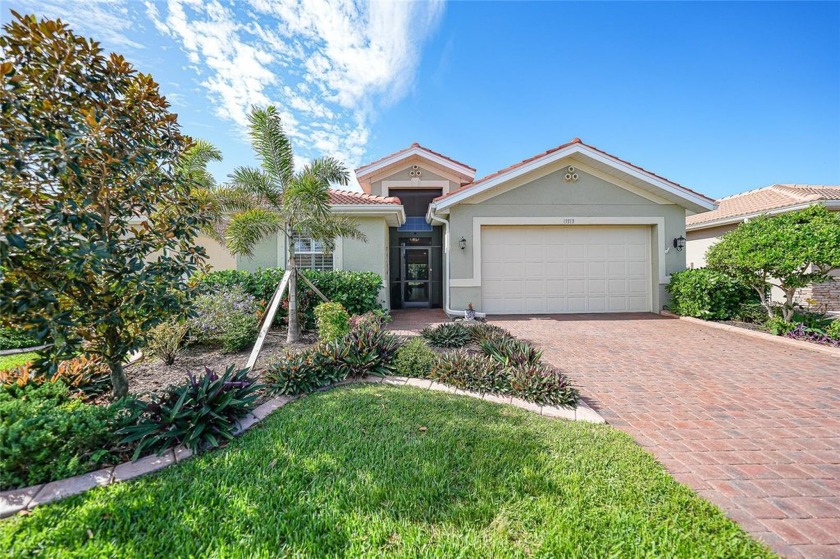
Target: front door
(416,264)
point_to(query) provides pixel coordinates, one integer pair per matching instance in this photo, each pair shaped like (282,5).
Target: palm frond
(193,163)
(271,144)
(247,228)
(328,170)
(256,183)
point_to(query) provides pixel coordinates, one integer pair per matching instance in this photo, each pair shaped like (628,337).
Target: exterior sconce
(679,243)
(462,243)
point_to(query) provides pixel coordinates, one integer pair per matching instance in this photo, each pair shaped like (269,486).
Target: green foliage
(833,329)
(199,414)
(542,384)
(415,359)
(225,317)
(166,341)
(482,331)
(302,372)
(46,434)
(447,335)
(86,376)
(98,227)
(332,320)
(752,313)
(13,338)
(471,371)
(779,326)
(511,352)
(357,292)
(9,362)
(368,349)
(708,294)
(789,251)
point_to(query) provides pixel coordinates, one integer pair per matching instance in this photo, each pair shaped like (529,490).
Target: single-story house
(570,230)
(705,229)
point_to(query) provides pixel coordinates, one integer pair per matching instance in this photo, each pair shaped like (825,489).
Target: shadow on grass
(380,470)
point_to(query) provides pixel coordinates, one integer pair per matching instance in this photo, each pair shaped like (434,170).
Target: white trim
(729,220)
(671,188)
(415,184)
(393,211)
(412,151)
(570,221)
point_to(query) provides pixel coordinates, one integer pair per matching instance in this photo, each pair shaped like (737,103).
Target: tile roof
(361,169)
(348,197)
(765,199)
(558,148)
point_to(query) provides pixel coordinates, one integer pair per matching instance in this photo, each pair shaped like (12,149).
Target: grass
(11,361)
(386,471)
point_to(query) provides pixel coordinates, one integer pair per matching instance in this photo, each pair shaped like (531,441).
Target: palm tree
(275,199)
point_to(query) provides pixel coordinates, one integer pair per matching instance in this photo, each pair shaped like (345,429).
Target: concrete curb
(799,344)
(26,498)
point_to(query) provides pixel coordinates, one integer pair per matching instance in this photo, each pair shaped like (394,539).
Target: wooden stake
(315,289)
(268,318)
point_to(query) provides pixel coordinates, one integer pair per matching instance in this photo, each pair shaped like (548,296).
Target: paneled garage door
(557,269)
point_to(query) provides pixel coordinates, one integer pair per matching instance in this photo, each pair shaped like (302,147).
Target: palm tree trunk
(293,334)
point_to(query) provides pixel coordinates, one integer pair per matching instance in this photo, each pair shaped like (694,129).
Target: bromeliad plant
(448,335)
(511,352)
(199,414)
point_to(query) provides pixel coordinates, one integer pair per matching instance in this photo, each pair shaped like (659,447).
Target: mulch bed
(151,375)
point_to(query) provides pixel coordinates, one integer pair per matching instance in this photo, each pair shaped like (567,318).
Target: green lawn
(11,361)
(379,470)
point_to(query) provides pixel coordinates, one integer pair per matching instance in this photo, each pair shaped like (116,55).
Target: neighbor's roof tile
(766,199)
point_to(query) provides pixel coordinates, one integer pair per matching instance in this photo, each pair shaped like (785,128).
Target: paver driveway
(752,425)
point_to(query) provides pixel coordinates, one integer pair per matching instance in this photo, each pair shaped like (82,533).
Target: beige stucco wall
(405,175)
(218,257)
(265,255)
(370,256)
(698,242)
(550,196)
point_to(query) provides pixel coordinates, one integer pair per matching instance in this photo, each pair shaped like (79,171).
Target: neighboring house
(571,230)
(705,229)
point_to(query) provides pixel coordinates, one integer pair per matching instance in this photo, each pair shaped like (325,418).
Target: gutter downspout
(450,312)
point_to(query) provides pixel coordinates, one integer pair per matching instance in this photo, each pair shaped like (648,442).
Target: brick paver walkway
(751,425)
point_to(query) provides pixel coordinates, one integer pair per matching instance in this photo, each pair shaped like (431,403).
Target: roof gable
(414,151)
(611,165)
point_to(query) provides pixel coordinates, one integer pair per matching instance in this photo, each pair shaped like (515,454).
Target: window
(310,254)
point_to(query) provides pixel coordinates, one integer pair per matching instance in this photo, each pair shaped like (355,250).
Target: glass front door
(416,274)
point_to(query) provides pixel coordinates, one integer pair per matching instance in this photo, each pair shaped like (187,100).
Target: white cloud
(107,20)
(326,64)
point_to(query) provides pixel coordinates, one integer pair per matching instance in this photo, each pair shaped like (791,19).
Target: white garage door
(576,269)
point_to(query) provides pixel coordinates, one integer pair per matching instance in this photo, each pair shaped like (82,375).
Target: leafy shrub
(87,375)
(46,434)
(201,413)
(471,371)
(448,334)
(333,321)
(779,326)
(708,294)
(802,332)
(541,384)
(225,317)
(812,320)
(833,330)
(166,341)
(302,372)
(357,292)
(511,352)
(11,338)
(754,313)
(483,331)
(415,359)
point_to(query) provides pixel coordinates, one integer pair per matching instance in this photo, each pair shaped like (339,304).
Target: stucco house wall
(550,196)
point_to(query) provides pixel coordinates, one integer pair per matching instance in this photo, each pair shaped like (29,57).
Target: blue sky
(720,97)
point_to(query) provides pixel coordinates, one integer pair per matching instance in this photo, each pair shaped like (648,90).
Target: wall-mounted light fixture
(462,243)
(679,243)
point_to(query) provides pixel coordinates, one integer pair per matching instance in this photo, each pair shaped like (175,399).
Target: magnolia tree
(788,251)
(97,223)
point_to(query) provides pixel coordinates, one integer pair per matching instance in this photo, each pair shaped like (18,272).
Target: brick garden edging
(27,498)
(801,344)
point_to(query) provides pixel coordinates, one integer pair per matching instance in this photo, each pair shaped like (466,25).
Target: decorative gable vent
(571,174)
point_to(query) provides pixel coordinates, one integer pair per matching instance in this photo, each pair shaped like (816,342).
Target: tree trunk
(787,309)
(118,380)
(764,297)
(293,335)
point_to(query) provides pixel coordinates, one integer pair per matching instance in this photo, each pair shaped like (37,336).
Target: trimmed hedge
(707,294)
(357,292)
(17,339)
